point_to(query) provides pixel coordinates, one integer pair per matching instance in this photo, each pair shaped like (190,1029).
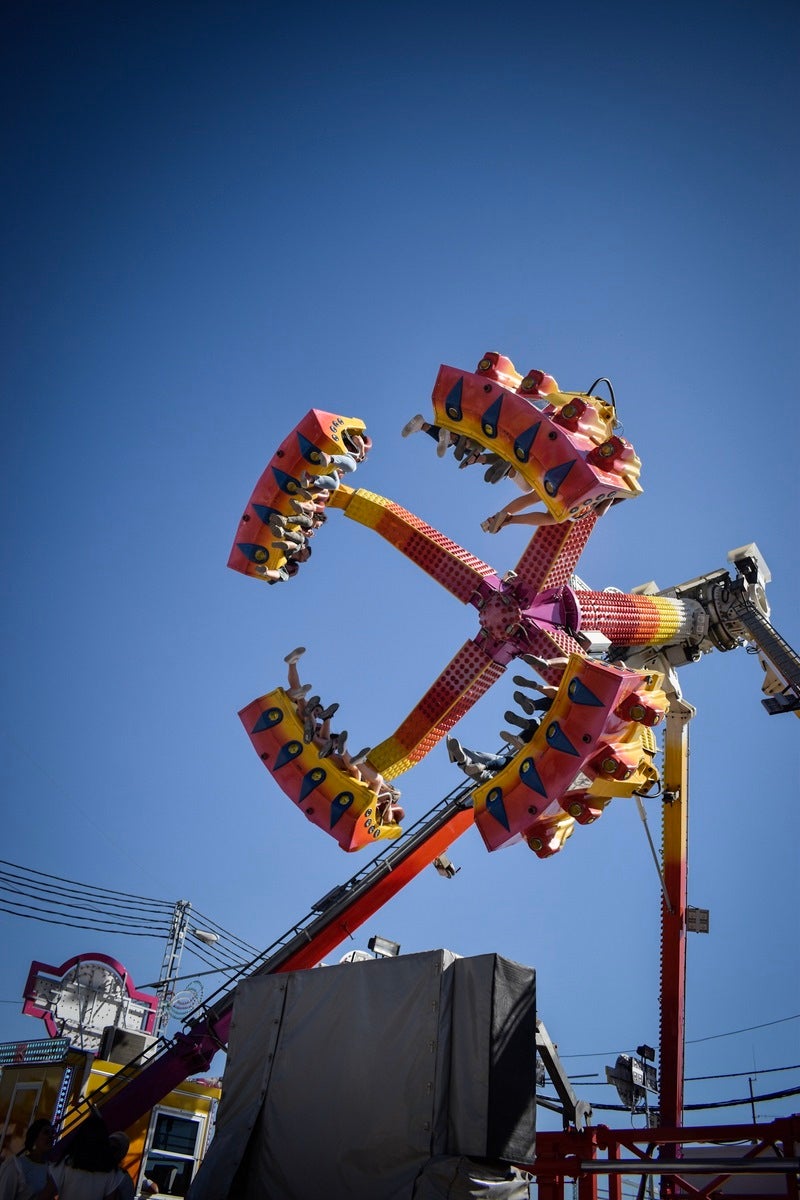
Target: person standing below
(90,1172)
(27,1175)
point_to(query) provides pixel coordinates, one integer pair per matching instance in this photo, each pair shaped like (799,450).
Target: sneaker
(291,535)
(341,740)
(478,773)
(296,506)
(299,693)
(362,756)
(287,526)
(525,702)
(328,712)
(413,426)
(460,448)
(293,656)
(496,472)
(284,547)
(309,728)
(515,719)
(521,681)
(512,739)
(444,442)
(455,751)
(326,749)
(312,702)
(533,660)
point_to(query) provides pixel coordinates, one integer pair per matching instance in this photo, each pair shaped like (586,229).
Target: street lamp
(205,936)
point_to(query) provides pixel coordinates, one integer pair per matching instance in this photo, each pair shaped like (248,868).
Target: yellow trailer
(49,1078)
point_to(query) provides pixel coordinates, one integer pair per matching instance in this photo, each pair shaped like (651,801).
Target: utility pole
(170,967)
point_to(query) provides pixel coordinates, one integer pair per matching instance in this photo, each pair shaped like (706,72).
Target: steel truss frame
(562,1157)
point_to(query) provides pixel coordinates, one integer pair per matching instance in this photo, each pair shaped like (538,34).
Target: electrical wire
(743,1074)
(603,379)
(56,900)
(746,1101)
(700,1078)
(747,1029)
(143,987)
(231,937)
(81,924)
(64,908)
(83,887)
(207,955)
(693,1041)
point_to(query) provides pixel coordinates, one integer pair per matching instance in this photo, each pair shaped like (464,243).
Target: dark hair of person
(33,1132)
(90,1150)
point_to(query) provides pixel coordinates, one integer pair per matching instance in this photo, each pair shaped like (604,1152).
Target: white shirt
(74,1184)
(21,1178)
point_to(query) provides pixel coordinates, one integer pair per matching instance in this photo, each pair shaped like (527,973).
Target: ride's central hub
(508,613)
(501,615)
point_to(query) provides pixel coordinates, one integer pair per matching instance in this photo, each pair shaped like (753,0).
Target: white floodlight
(383,947)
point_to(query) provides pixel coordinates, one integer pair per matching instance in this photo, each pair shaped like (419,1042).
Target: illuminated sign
(41,1051)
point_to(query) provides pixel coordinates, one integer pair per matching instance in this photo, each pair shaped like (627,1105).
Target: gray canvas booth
(397,1078)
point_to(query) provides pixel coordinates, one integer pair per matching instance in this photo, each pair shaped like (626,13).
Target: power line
(698,1078)
(126,896)
(64,901)
(64,907)
(79,925)
(743,1074)
(747,1101)
(747,1029)
(709,1104)
(245,946)
(692,1041)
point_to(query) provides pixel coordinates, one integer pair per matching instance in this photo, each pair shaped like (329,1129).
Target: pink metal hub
(501,615)
(510,618)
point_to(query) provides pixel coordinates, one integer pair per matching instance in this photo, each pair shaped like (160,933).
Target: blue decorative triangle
(253,552)
(312,779)
(579,693)
(496,808)
(269,718)
(263,512)
(522,445)
(554,478)
(559,740)
(287,483)
(452,405)
(288,753)
(491,417)
(340,805)
(310,452)
(531,778)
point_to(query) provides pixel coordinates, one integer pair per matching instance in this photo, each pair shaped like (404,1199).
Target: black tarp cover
(399,1078)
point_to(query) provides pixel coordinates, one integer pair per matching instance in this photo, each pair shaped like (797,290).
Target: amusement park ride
(595,742)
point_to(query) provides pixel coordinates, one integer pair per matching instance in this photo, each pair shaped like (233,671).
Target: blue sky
(218,216)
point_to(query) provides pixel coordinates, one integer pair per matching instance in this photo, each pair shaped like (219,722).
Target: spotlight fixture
(383,948)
